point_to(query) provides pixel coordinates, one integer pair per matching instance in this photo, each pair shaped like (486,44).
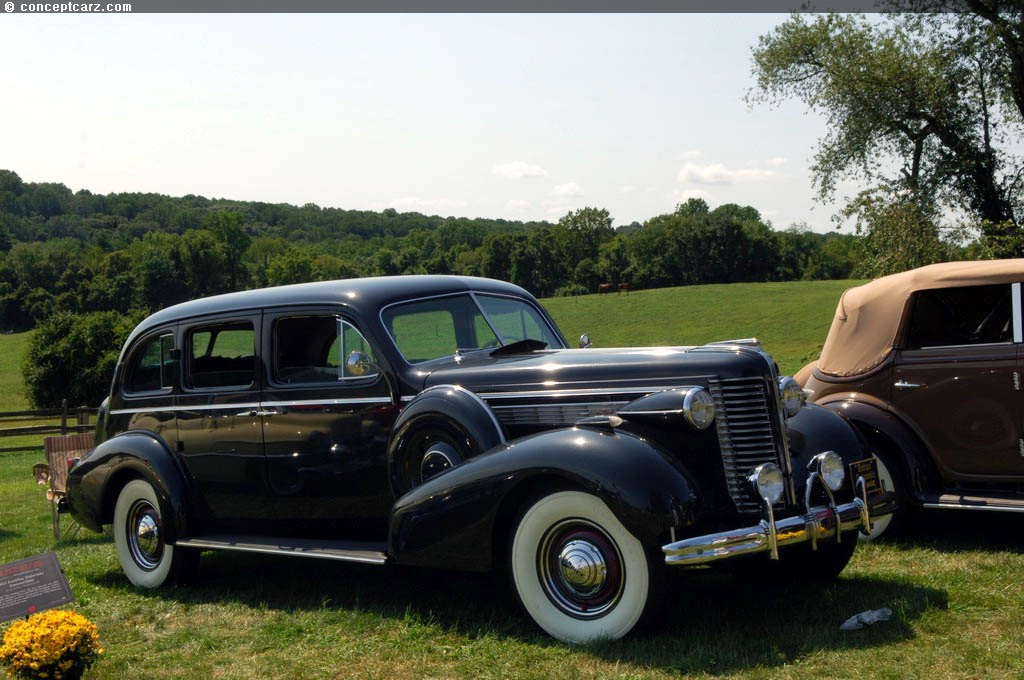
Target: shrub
(72,356)
(55,644)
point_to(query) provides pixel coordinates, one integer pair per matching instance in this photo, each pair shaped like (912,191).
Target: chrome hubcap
(144,535)
(580,569)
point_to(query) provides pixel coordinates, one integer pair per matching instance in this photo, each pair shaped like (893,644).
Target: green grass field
(956,589)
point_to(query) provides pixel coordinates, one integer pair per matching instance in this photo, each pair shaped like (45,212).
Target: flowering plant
(54,644)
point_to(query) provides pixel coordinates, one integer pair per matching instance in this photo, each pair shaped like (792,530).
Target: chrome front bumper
(819,523)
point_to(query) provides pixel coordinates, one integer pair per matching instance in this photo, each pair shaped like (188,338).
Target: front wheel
(577,571)
(140,538)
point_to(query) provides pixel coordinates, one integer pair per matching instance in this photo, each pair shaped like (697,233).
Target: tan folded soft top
(863,332)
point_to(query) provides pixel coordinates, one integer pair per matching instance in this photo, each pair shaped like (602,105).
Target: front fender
(878,423)
(94,482)
(815,429)
(453,520)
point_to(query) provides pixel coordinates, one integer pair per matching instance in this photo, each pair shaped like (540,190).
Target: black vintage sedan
(444,421)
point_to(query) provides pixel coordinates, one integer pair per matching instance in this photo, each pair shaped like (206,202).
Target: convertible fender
(458,519)
(95,481)
(874,423)
(440,428)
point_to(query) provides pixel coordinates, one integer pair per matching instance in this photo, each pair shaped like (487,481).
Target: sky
(521,117)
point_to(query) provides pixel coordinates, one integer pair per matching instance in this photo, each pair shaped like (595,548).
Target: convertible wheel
(891,476)
(146,558)
(577,571)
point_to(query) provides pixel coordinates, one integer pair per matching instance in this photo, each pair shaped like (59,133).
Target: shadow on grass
(713,622)
(957,531)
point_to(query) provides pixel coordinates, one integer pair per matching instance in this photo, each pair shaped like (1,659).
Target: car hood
(625,369)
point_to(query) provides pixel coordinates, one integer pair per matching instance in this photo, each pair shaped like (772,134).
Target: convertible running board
(956,501)
(343,551)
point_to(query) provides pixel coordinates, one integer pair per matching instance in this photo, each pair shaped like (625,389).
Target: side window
(972,315)
(151,368)
(221,355)
(319,349)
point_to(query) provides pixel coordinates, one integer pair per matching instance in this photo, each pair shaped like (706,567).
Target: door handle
(902,384)
(257,413)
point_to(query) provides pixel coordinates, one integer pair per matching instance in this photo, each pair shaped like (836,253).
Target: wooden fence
(44,422)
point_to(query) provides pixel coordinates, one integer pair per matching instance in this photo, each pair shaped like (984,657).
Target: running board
(952,501)
(344,551)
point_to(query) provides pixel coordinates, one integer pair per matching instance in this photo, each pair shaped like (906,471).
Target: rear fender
(453,520)
(96,480)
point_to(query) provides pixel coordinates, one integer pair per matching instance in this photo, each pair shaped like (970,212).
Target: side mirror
(359,364)
(585,341)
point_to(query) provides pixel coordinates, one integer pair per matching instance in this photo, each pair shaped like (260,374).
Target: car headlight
(768,482)
(793,397)
(699,408)
(830,468)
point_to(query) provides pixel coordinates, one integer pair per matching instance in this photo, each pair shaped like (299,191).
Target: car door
(219,431)
(957,379)
(326,413)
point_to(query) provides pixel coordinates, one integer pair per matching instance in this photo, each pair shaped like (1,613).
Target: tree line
(78,252)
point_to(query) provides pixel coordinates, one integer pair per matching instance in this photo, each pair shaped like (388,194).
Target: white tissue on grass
(866,618)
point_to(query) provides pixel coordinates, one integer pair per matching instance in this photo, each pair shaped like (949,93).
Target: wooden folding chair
(61,454)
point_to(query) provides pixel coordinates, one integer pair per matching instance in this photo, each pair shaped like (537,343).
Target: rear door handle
(257,413)
(902,384)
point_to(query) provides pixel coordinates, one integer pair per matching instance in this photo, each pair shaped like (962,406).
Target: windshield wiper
(520,347)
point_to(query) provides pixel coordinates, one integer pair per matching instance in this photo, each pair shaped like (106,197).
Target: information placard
(32,585)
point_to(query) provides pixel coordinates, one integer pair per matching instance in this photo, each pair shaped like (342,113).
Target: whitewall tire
(577,570)
(140,537)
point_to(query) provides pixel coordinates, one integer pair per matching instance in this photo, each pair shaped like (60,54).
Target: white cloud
(567,190)
(777,161)
(416,204)
(517,204)
(719,173)
(518,170)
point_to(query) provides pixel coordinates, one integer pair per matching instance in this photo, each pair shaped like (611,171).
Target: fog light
(699,408)
(830,468)
(768,482)
(793,397)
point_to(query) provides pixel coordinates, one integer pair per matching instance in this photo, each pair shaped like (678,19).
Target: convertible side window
(971,315)
(318,349)
(222,355)
(151,368)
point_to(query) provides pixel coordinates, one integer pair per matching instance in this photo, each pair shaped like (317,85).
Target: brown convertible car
(927,364)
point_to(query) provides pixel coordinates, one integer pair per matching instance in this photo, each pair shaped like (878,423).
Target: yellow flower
(50,644)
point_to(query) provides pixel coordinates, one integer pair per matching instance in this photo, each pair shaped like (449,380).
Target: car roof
(367,295)
(867,320)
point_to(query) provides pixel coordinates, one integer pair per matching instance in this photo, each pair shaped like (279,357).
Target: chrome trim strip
(1018,323)
(329,402)
(983,508)
(595,392)
(252,405)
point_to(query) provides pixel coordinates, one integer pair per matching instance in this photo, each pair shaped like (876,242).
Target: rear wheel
(578,572)
(141,539)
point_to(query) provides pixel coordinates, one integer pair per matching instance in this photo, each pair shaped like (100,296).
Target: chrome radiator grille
(745,433)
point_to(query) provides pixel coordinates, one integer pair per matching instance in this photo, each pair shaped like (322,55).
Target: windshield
(438,327)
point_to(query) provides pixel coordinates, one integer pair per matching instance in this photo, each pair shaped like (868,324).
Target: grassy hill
(791,319)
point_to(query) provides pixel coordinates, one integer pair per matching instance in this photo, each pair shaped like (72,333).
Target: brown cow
(605,288)
(625,286)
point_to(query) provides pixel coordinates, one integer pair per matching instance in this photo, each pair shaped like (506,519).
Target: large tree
(917,111)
